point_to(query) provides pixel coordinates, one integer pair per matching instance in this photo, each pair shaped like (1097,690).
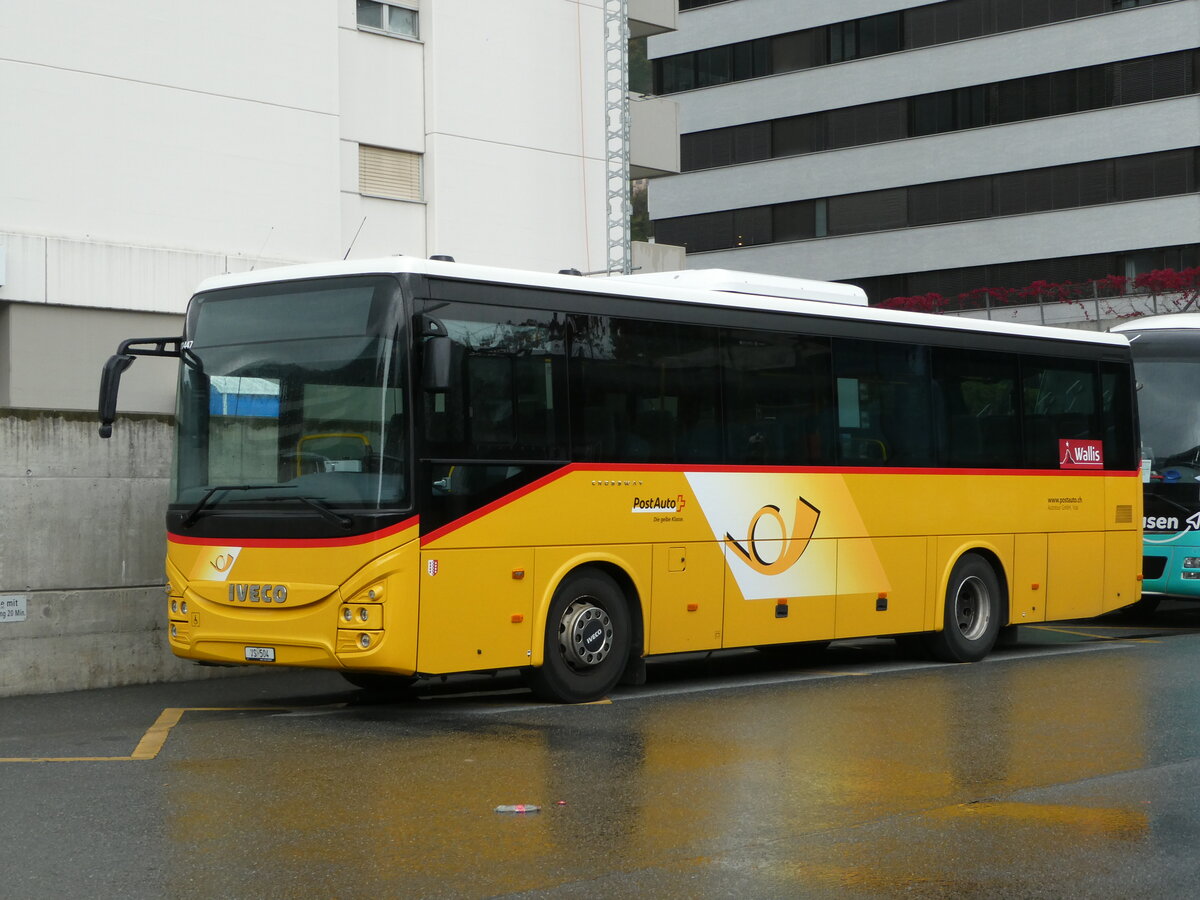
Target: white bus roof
(1171,320)
(731,282)
(666,287)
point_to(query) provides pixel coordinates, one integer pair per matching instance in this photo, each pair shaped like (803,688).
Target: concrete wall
(81,527)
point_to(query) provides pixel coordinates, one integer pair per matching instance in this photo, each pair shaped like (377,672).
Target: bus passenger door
(687,608)
(476,609)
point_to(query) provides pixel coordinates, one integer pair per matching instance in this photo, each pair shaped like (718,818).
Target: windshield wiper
(194,513)
(323,508)
(325,511)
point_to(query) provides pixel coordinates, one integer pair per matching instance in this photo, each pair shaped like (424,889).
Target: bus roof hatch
(734,282)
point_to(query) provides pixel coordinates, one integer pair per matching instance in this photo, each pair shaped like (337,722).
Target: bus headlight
(364,641)
(1191,562)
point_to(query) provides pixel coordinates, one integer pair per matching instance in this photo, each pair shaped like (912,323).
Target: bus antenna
(355,238)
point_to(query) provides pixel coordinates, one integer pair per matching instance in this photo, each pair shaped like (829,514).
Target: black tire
(377,683)
(587,642)
(974,605)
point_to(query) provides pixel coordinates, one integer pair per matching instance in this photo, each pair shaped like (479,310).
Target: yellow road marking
(155,737)
(1096,820)
(1098,637)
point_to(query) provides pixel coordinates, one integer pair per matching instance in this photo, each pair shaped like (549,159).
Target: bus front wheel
(587,641)
(972,615)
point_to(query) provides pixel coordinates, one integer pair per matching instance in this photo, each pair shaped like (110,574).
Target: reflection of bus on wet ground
(1166,353)
(397,467)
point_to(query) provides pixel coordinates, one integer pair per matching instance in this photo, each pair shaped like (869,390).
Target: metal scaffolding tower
(616,134)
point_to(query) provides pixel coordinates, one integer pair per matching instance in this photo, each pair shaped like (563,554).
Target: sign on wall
(13,608)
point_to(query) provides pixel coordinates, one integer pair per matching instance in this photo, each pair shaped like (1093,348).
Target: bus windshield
(1168,377)
(292,395)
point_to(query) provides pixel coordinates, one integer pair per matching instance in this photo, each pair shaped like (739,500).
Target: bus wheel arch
(975,607)
(591,632)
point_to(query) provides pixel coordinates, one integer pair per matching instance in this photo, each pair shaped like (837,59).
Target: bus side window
(777,398)
(507,386)
(978,391)
(640,388)
(883,404)
(1117,415)
(1061,402)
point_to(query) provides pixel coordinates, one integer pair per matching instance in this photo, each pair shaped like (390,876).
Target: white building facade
(149,145)
(935,147)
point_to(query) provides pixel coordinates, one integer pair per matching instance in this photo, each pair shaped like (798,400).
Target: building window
(387,18)
(394,174)
(1145,176)
(921,26)
(998,103)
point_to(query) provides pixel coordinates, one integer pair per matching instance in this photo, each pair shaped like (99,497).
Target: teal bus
(1166,359)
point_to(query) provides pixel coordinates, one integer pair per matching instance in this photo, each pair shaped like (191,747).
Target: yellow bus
(401,468)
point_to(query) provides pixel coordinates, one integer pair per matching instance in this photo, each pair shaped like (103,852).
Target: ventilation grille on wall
(395,174)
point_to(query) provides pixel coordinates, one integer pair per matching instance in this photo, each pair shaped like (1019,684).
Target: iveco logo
(257,593)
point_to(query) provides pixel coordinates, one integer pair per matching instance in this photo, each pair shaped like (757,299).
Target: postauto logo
(658,504)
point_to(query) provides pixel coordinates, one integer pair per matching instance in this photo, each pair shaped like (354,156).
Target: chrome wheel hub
(585,634)
(972,608)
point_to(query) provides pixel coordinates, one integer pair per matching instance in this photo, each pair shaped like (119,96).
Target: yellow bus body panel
(712,557)
(375,581)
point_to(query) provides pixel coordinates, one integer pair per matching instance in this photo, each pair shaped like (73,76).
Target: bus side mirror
(110,377)
(435,377)
(110,383)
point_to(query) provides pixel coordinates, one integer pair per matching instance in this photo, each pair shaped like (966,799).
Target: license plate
(260,654)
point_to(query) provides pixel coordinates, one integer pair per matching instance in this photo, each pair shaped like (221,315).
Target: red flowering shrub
(1185,282)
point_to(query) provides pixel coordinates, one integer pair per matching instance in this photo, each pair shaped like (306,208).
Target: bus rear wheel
(972,615)
(587,640)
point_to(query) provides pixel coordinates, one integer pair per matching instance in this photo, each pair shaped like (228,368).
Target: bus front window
(1168,378)
(293,395)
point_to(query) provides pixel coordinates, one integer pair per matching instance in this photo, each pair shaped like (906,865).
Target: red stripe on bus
(500,503)
(284,543)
